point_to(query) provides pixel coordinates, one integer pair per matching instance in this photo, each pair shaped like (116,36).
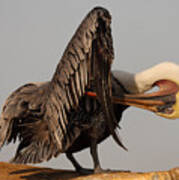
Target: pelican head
(164,102)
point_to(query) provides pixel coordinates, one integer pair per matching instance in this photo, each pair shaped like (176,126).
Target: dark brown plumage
(49,117)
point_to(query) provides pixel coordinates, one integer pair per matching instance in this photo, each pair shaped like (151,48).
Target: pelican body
(80,106)
(46,117)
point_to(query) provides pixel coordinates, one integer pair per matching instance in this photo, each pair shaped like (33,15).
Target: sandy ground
(24,172)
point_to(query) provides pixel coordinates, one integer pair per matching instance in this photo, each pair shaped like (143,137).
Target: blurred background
(33,36)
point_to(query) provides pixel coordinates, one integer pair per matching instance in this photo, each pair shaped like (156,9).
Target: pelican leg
(94,154)
(77,166)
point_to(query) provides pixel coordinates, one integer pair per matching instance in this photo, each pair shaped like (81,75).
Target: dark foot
(98,170)
(84,171)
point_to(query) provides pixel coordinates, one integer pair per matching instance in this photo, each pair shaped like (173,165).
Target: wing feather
(75,73)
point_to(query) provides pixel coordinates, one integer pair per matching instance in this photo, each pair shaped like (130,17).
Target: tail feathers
(2,140)
(5,131)
(118,140)
(34,153)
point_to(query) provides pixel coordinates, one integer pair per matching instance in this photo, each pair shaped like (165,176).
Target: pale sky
(33,36)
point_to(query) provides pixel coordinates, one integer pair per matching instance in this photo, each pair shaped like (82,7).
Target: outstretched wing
(21,118)
(86,62)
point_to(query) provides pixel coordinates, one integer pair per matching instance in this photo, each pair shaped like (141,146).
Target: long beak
(164,102)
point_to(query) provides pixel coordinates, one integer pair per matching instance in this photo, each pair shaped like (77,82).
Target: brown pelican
(59,116)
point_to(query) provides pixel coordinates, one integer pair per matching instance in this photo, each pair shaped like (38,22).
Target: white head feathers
(143,81)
